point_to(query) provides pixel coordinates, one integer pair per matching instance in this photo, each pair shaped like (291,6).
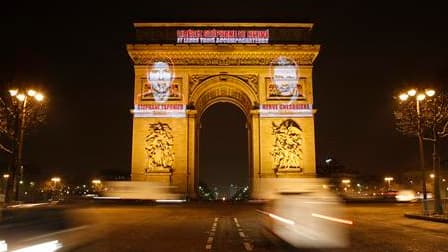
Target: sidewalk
(433,217)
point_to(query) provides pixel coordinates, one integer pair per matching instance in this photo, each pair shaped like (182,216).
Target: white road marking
(247,245)
(210,238)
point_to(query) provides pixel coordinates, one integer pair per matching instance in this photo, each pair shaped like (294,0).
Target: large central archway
(223,89)
(223,152)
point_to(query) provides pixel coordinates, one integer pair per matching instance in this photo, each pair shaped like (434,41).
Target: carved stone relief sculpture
(159,148)
(287,146)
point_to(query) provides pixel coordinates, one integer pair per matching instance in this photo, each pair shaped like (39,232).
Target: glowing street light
(39,97)
(419,96)
(31,92)
(5,177)
(430,92)
(404,97)
(96,181)
(23,98)
(13,92)
(56,179)
(412,92)
(388,180)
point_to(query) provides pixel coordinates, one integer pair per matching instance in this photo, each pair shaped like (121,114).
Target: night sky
(76,54)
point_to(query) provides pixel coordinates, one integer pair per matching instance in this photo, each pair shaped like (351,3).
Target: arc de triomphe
(181,69)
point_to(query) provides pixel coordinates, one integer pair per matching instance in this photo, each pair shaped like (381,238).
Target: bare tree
(7,119)
(17,118)
(429,122)
(435,114)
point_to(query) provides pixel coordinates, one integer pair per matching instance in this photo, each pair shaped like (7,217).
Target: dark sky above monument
(77,55)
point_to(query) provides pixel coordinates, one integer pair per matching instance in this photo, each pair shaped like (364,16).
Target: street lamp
(23,98)
(328,161)
(96,185)
(346,183)
(96,181)
(388,180)
(419,96)
(55,180)
(5,177)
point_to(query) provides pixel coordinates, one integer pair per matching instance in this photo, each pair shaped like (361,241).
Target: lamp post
(5,186)
(55,181)
(97,185)
(388,180)
(23,99)
(346,183)
(328,162)
(418,98)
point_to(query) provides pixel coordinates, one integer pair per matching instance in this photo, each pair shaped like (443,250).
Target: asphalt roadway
(206,226)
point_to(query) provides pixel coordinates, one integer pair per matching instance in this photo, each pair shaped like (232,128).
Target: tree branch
(443,133)
(3,148)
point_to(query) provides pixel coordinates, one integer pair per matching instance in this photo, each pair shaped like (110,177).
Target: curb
(424,217)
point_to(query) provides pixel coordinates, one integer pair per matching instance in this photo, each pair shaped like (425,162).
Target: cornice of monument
(225,24)
(222,54)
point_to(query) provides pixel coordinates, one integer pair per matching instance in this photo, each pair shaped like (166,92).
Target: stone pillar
(191,155)
(256,165)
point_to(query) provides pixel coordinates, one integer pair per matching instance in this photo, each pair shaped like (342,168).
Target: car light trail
(42,247)
(170,201)
(287,221)
(332,218)
(276,217)
(107,197)
(27,205)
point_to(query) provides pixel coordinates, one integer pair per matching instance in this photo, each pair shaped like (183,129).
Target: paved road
(228,226)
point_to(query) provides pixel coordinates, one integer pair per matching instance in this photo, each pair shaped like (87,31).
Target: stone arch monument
(181,69)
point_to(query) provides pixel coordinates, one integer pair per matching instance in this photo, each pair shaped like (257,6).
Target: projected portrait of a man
(160,77)
(285,77)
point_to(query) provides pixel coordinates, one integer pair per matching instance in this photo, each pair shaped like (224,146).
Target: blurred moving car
(43,227)
(389,195)
(139,190)
(406,196)
(305,214)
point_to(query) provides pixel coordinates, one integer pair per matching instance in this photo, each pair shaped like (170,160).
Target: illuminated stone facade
(280,124)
